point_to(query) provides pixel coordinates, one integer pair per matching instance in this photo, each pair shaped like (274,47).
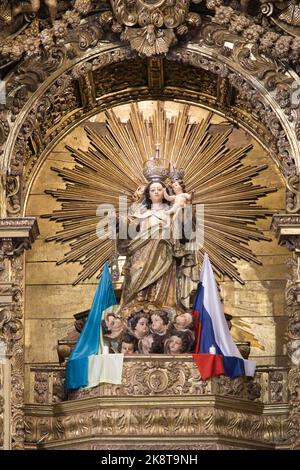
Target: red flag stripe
(209,365)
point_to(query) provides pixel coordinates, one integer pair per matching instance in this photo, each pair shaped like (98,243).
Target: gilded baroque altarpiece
(74,70)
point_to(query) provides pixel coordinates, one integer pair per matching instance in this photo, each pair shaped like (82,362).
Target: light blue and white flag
(89,340)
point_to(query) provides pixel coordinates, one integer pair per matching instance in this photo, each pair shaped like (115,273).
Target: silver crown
(175,174)
(154,169)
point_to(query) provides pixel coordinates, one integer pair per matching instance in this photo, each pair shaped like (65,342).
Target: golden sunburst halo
(113,166)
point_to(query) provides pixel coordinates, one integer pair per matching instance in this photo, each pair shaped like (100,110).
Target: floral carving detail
(253,33)
(223,15)
(83,6)
(239,24)
(267,41)
(60,29)
(212,4)
(32,46)
(47,39)
(282,46)
(286,47)
(34,36)
(72,18)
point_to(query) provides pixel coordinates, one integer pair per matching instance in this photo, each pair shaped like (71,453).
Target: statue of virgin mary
(158,274)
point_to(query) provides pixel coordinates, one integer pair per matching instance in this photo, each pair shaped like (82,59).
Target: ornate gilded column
(16,235)
(2,398)
(5,403)
(287,229)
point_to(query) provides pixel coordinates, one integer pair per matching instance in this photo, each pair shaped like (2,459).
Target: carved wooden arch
(272,127)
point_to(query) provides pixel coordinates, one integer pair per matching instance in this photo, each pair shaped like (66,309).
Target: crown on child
(175,174)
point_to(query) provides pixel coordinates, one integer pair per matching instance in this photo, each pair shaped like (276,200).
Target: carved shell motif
(149,25)
(160,13)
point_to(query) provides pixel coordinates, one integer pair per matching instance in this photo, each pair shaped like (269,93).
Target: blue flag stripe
(233,366)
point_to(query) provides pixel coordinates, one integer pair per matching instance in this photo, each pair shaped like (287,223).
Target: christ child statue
(180,198)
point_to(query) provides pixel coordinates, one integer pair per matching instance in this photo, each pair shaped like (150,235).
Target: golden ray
(113,166)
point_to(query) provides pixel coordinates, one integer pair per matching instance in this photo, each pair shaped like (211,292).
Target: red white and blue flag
(215,352)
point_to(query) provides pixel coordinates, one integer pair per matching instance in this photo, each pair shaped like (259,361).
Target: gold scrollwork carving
(150,26)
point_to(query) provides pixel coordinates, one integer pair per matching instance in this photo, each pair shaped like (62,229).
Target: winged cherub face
(175,345)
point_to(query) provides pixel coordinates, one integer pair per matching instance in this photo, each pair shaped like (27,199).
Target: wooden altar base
(161,404)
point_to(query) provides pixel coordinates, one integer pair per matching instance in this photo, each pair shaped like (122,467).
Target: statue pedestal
(161,404)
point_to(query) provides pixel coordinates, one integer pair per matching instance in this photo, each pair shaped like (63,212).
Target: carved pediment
(151,26)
